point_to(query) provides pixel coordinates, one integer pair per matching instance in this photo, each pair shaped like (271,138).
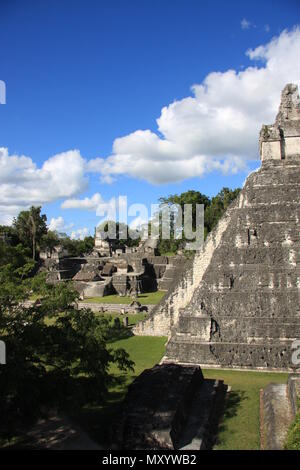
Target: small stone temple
(170,406)
(237,303)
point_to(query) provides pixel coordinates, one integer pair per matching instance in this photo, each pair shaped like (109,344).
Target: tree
(213,210)
(9,234)
(50,240)
(77,247)
(120,228)
(17,259)
(31,226)
(219,205)
(57,356)
(188,197)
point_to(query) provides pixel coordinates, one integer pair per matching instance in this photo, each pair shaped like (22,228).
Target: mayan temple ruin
(237,303)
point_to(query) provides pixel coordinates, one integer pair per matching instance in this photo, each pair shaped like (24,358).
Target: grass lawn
(147,298)
(145,351)
(239,428)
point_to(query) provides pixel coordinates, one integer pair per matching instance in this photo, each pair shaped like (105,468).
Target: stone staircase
(171,270)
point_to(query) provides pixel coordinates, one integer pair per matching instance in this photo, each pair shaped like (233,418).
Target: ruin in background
(112,269)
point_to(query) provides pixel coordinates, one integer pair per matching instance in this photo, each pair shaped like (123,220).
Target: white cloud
(80,233)
(214,129)
(94,204)
(245,24)
(107,210)
(23,184)
(59,225)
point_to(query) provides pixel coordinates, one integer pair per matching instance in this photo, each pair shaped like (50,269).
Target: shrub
(292,441)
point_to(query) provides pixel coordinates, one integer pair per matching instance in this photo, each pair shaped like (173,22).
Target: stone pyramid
(245,309)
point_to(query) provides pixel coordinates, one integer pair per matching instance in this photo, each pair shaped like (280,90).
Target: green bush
(292,441)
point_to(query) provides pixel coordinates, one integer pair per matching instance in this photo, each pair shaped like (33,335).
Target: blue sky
(80,74)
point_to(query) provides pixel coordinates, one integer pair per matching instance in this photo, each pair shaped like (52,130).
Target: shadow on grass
(231,405)
(99,421)
(120,333)
(95,418)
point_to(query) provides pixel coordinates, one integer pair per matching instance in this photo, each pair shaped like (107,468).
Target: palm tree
(31,226)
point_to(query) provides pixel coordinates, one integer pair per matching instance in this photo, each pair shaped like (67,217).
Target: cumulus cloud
(96,204)
(113,209)
(214,129)
(58,224)
(23,184)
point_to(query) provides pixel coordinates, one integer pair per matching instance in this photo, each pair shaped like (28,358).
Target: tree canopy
(57,355)
(214,208)
(218,206)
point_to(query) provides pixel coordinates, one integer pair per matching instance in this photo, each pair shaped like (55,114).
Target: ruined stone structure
(57,253)
(282,140)
(237,303)
(279,404)
(169,407)
(111,270)
(103,247)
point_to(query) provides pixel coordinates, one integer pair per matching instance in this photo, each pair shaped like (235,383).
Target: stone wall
(278,407)
(94,288)
(110,308)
